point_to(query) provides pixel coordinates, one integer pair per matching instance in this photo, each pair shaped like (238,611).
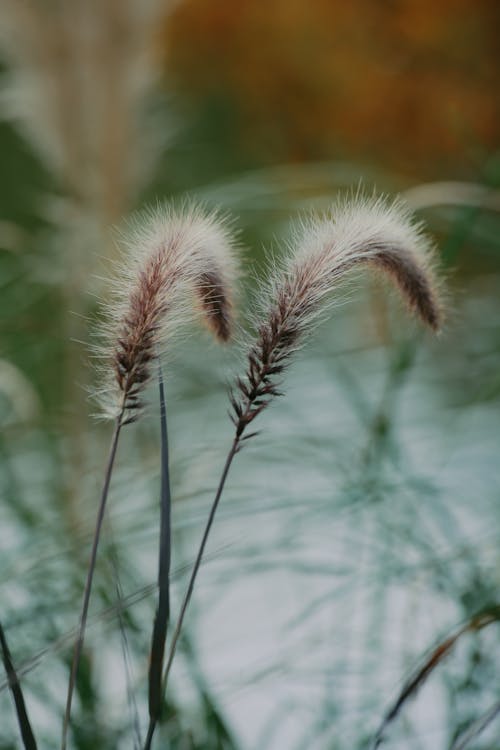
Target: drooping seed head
(358,231)
(175,263)
(364,231)
(215,301)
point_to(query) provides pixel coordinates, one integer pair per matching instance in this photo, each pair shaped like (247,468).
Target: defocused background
(362,526)
(406,85)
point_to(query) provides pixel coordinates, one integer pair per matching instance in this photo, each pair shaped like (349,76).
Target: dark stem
(163,610)
(192,580)
(17,694)
(151,730)
(90,575)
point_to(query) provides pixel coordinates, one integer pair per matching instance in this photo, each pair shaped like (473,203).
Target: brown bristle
(135,348)
(213,294)
(415,283)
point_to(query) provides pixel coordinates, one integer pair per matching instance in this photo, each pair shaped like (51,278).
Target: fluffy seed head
(175,263)
(356,232)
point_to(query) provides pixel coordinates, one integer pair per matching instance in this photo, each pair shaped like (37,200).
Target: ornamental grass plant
(274,522)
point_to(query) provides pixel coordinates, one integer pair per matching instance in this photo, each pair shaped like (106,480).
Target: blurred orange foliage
(411,82)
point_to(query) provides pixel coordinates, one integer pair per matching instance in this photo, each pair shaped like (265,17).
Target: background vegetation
(362,527)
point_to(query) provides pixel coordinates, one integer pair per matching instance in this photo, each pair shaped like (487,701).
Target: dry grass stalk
(81,75)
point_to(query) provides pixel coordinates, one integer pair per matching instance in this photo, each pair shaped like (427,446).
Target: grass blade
(477,727)
(220,734)
(163,611)
(106,614)
(126,650)
(15,686)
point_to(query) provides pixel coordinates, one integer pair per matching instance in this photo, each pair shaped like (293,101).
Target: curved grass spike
(437,655)
(176,262)
(358,231)
(15,686)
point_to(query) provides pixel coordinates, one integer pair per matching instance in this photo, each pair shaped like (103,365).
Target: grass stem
(90,575)
(15,687)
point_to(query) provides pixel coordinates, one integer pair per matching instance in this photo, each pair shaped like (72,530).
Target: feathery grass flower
(177,262)
(356,232)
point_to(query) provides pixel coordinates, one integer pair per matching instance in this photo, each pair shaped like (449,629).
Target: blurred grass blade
(106,614)
(476,623)
(17,693)
(163,611)
(127,662)
(477,727)
(220,732)
(414,683)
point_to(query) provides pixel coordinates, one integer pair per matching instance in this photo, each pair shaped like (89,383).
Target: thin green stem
(90,575)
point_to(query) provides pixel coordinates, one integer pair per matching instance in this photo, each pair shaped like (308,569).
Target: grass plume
(176,262)
(367,232)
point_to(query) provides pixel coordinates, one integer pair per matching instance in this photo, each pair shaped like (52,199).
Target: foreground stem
(162,616)
(17,693)
(90,575)
(192,580)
